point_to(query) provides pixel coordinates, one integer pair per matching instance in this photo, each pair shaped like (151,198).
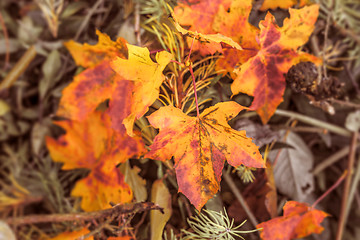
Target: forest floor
(311,141)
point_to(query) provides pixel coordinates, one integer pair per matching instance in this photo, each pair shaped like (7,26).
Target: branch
(85,216)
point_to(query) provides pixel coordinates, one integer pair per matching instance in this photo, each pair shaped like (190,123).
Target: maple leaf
(200,145)
(100,82)
(101,187)
(299,220)
(73,235)
(282,4)
(233,22)
(199,15)
(92,141)
(93,144)
(262,76)
(89,56)
(97,83)
(121,238)
(217,38)
(146,76)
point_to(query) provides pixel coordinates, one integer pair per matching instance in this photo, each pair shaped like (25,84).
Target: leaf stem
(188,63)
(194,84)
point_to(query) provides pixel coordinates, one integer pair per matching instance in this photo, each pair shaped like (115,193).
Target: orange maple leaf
(200,146)
(89,56)
(199,15)
(299,220)
(262,76)
(93,144)
(73,235)
(100,187)
(234,23)
(282,4)
(121,238)
(100,82)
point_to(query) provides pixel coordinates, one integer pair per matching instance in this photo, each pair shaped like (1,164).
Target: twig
(345,196)
(240,198)
(352,79)
(344,103)
(87,18)
(332,159)
(19,68)
(137,23)
(306,129)
(354,185)
(337,183)
(7,43)
(315,122)
(85,216)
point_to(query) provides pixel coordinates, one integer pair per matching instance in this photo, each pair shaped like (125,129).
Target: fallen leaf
(217,38)
(200,146)
(233,22)
(92,141)
(121,238)
(6,232)
(88,56)
(101,187)
(137,183)
(273,4)
(146,76)
(352,121)
(4,108)
(262,76)
(73,235)
(162,197)
(271,195)
(199,16)
(93,144)
(99,82)
(292,170)
(285,4)
(262,134)
(299,220)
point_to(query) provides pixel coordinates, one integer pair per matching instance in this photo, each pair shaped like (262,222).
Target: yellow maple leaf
(147,77)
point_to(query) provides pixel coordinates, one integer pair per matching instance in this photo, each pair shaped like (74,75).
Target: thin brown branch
(7,43)
(85,216)
(137,23)
(240,198)
(19,68)
(345,196)
(87,18)
(332,159)
(335,185)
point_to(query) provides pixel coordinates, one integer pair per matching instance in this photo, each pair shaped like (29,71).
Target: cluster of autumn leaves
(100,139)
